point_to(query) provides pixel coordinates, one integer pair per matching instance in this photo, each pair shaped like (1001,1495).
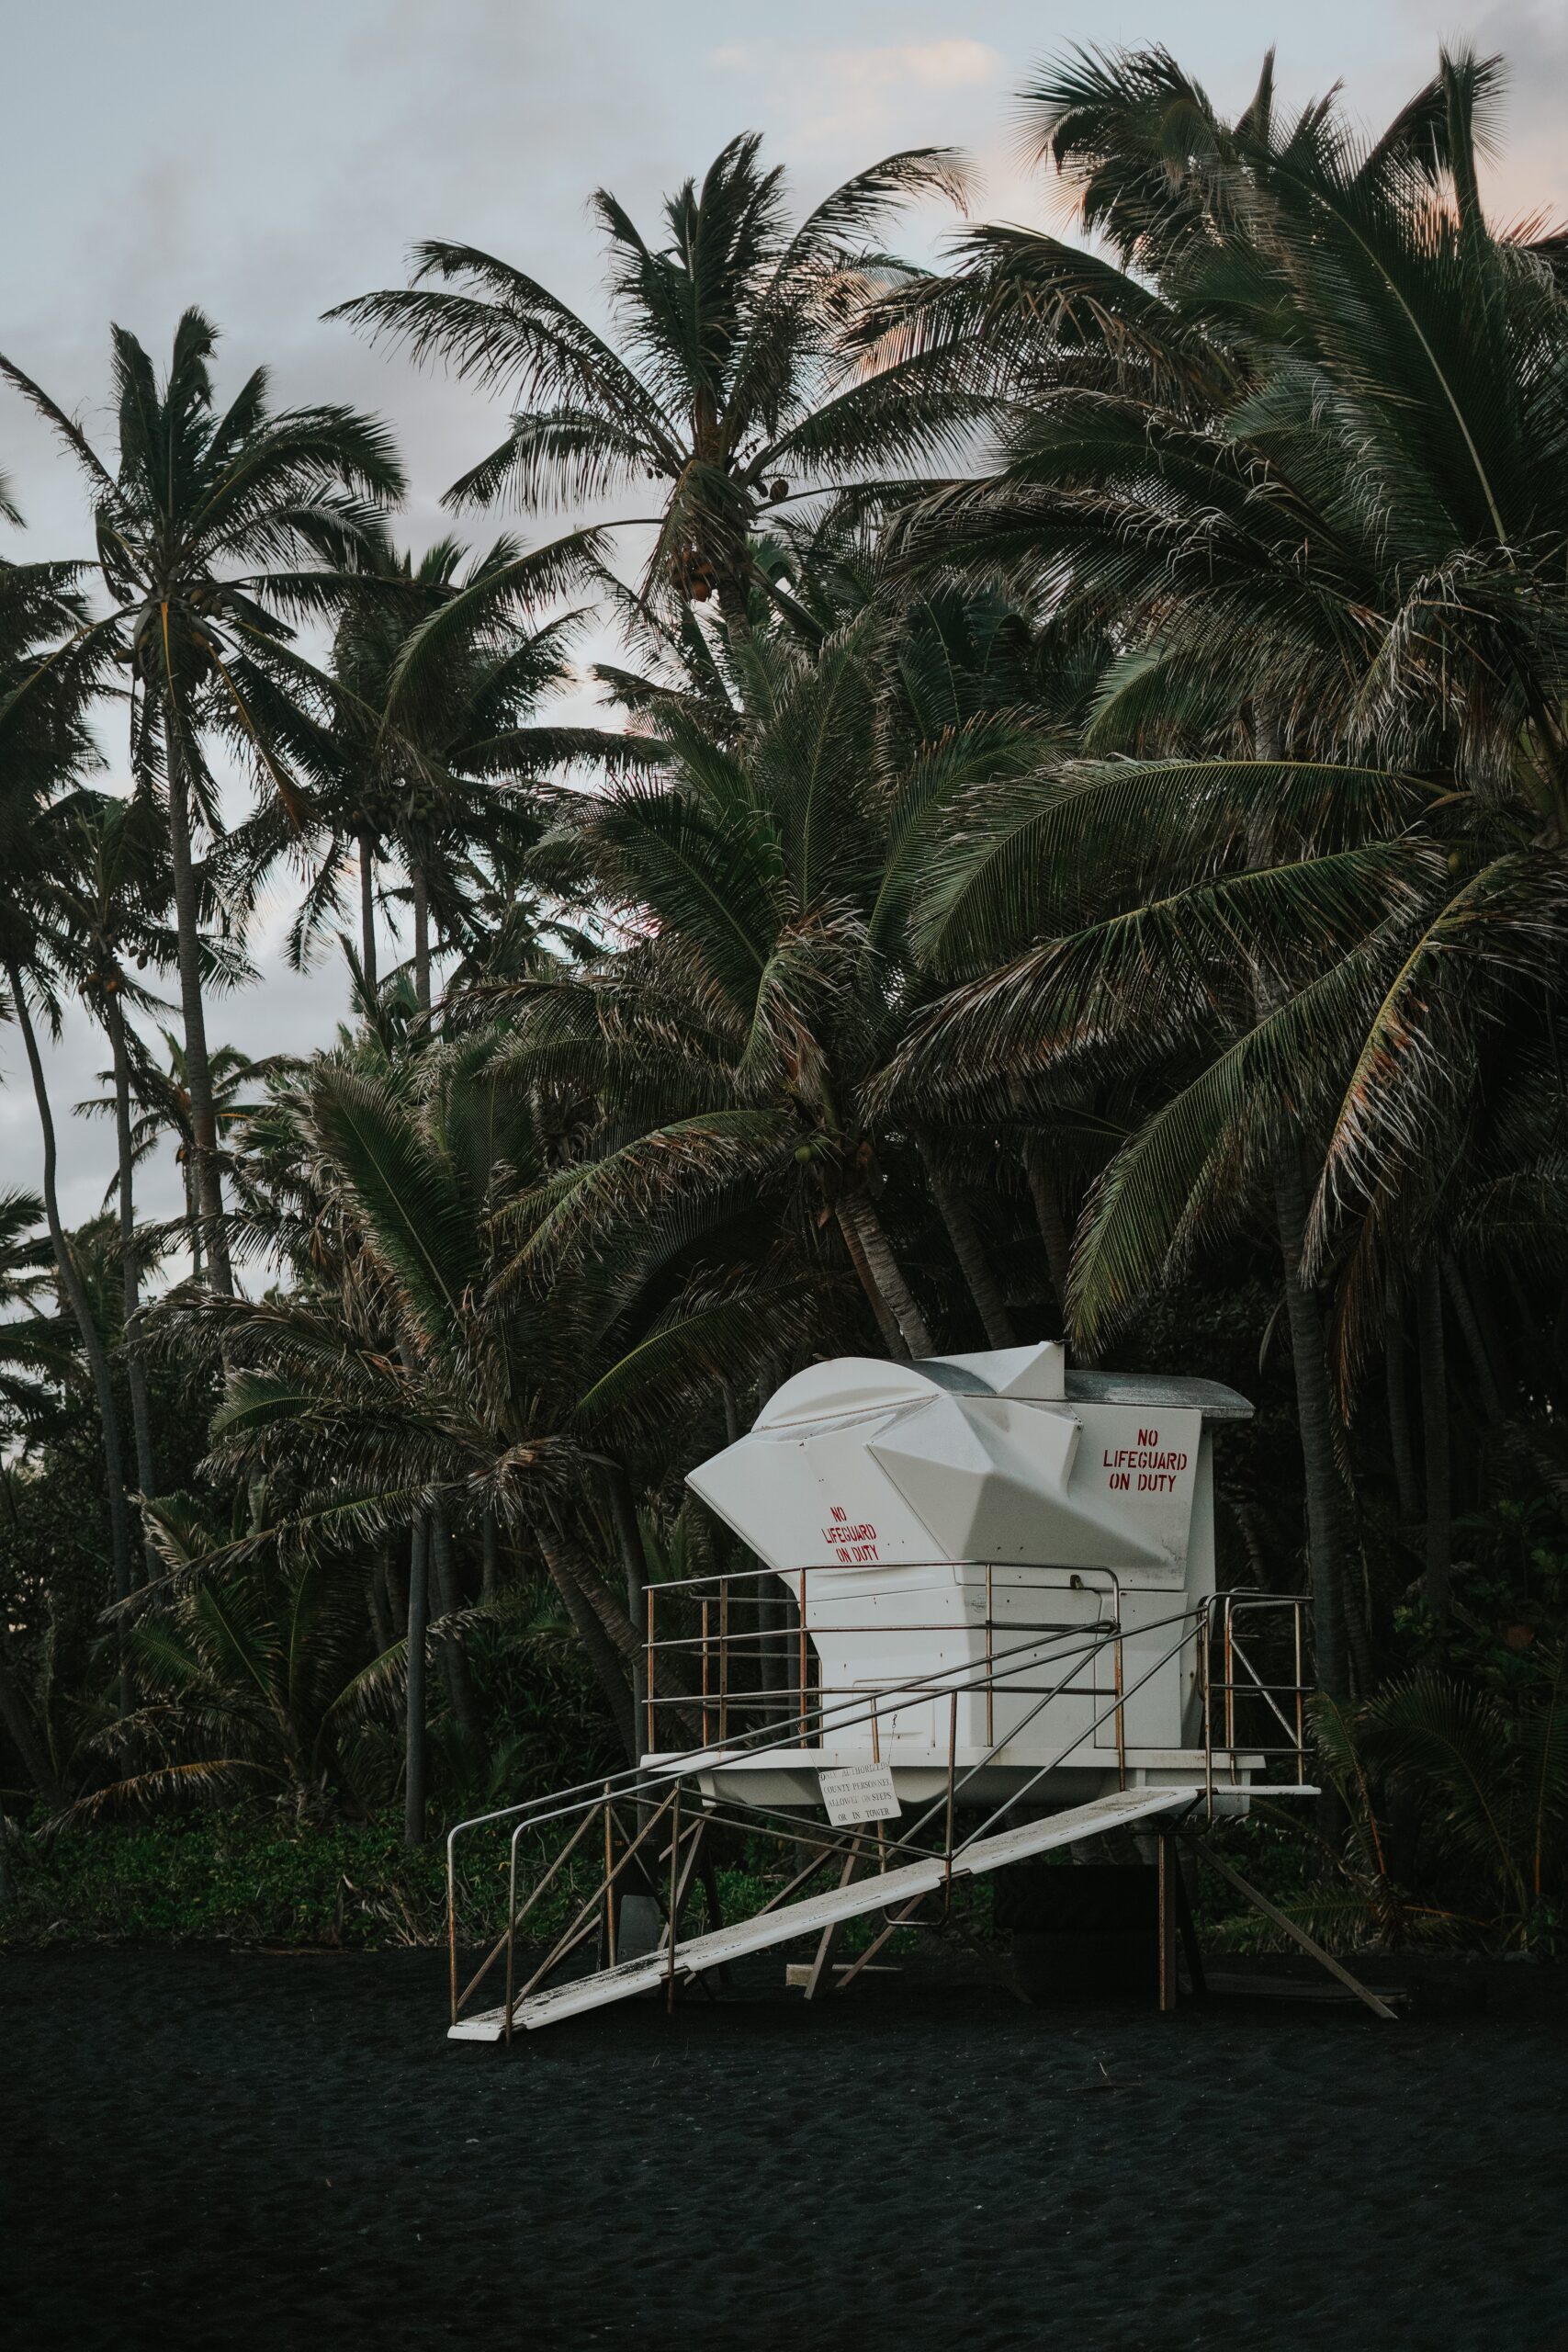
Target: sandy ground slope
(206,2147)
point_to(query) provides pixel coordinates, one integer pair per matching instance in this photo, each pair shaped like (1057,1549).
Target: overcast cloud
(268,162)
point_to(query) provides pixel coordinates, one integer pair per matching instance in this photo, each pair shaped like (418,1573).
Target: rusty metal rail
(648,1841)
(1239,1686)
(719,1667)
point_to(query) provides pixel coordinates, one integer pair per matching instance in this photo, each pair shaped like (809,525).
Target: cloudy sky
(266,163)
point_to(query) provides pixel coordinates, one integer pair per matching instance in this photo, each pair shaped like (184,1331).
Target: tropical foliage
(1073,837)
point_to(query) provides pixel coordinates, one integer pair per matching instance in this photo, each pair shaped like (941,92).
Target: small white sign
(859,1792)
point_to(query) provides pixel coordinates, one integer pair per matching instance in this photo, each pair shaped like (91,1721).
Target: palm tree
(72,1287)
(213,529)
(259,1671)
(37,1362)
(36,1354)
(436,691)
(726,386)
(107,887)
(410,1381)
(44,742)
(965,685)
(162,1095)
(765,882)
(1486,1772)
(1278,469)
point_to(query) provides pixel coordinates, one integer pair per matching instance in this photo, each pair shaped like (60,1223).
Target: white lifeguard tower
(994,1566)
(978,1621)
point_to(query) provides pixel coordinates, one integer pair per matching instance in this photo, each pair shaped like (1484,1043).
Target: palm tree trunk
(414,1744)
(1400,1443)
(490,1571)
(393,1559)
(375,1608)
(193,1216)
(1360,1665)
(601,1652)
(613,1643)
(1327,1546)
(76,1298)
(367,912)
(421,935)
(18,1717)
(734,607)
(136,1370)
(1054,1237)
(880,1273)
(208,1182)
(1435,1463)
(1494,1410)
(454,1663)
(892,1337)
(968,1248)
(634,1565)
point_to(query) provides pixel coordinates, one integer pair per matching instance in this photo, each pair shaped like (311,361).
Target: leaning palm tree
(725,385)
(215,528)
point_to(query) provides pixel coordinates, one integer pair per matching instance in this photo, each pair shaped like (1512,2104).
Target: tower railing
(726,1654)
(1260,1703)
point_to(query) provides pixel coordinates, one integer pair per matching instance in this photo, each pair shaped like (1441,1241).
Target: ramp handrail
(896,1894)
(947,1860)
(651,1792)
(645,1786)
(642,1784)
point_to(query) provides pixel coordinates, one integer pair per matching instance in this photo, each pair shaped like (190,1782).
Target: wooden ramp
(879,1891)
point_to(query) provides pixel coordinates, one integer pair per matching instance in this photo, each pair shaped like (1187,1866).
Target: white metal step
(878,1891)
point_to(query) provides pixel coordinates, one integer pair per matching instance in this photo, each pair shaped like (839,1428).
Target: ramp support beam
(829,1935)
(1167,1873)
(1299,1935)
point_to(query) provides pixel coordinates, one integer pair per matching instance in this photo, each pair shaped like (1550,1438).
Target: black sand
(204,2148)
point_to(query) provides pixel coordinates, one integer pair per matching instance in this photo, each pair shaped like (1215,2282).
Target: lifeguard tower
(968,1545)
(978,1623)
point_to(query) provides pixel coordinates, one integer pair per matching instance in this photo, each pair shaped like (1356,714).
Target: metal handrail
(577,1930)
(655,1789)
(642,1782)
(742,1645)
(1222,1611)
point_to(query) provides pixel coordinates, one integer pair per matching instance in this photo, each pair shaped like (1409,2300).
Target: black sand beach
(210,2147)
